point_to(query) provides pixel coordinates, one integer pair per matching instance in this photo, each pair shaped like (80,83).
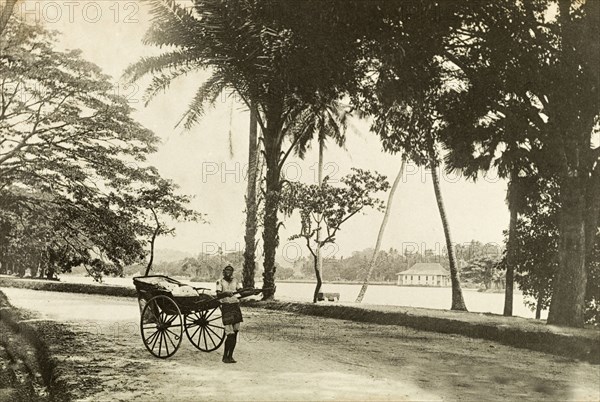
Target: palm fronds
(328,120)
(208,36)
(207,94)
(161,82)
(172,25)
(161,63)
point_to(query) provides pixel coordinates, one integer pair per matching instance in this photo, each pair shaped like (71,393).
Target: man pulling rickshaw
(169,308)
(231,314)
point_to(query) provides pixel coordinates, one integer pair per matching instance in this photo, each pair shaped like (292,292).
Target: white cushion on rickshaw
(177,290)
(184,291)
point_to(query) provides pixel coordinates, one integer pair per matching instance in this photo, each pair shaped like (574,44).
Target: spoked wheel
(205,329)
(161,326)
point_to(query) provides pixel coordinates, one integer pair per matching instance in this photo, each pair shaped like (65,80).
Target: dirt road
(287,357)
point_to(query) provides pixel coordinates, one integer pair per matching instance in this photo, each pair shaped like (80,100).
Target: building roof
(425,268)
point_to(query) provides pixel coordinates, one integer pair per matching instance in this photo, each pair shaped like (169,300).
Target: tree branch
(309,247)
(23,142)
(6,13)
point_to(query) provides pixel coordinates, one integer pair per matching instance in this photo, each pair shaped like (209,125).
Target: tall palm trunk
(319,256)
(458,303)
(251,207)
(272,196)
(384,222)
(512,244)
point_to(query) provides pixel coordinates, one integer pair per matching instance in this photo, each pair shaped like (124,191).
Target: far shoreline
(467,287)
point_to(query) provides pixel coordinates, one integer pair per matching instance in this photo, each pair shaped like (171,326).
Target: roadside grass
(32,373)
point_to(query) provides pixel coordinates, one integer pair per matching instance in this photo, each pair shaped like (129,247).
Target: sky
(110,32)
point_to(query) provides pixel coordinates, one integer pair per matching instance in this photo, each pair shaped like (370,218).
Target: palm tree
(411,125)
(176,26)
(516,200)
(251,205)
(245,51)
(511,199)
(458,302)
(386,216)
(326,119)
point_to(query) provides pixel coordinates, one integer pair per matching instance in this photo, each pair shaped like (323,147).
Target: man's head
(228,272)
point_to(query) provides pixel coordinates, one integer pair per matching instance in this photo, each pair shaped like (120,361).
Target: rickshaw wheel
(204,329)
(161,326)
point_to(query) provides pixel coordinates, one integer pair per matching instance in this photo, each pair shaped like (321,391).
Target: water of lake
(428,297)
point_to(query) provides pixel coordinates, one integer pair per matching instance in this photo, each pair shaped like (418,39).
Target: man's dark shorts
(231,316)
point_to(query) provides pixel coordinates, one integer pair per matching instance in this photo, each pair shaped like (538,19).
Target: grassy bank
(57,286)
(583,344)
(28,354)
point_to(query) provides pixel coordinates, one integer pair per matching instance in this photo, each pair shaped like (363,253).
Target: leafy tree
(475,249)
(285,272)
(206,267)
(268,52)
(52,235)
(151,203)
(485,270)
(56,108)
(388,264)
(190,266)
(529,85)
(324,119)
(70,157)
(537,258)
(537,253)
(6,11)
(329,207)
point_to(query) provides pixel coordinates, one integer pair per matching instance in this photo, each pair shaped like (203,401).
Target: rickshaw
(169,307)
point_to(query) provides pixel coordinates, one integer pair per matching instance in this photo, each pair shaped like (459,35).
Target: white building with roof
(424,274)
